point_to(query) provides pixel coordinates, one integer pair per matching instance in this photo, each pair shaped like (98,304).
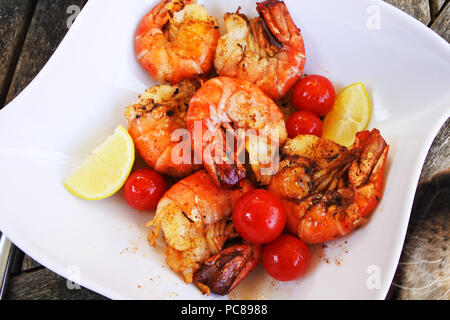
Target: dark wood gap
(435,17)
(17,260)
(36,268)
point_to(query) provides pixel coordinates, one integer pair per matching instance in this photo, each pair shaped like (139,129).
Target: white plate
(79,98)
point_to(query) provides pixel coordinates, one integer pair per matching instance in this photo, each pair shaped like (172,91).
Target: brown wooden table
(30,31)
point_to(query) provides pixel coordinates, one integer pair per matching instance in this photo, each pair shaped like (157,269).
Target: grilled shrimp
(152,121)
(327,189)
(177,40)
(225,107)
(245,51)
(194,218)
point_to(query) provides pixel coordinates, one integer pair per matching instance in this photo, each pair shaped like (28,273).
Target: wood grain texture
(442,23)
(15,17)
(438,157)
(419,9)
(436,6)
(423,272)
(47,29)
(29,264)
(45,285)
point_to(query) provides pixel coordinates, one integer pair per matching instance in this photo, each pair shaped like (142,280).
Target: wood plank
(423,272)
(15,17)
(436,6)
(29,264)
(419,9)
(46,285)
(438,157)
(47,29)
(442,23)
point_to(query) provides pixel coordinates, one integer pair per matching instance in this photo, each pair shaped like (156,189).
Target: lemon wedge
(105,171)
(350,114)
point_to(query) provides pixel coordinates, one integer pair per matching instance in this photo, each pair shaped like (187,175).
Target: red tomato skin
(259,216)
(286,258)
(144,188)
(304,122)
(314,93)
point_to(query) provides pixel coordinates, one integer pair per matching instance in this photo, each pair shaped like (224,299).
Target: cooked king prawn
(225,106)
(176,41)
(154,118)
(194,218)
(327,189)
(245,51)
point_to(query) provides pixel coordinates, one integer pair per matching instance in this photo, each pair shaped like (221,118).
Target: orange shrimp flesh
(177,40)
(194,218)
(245,51)
(329,191)
(225,107)
(160,111)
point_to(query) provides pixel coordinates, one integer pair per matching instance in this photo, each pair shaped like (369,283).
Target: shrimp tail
(224,271)
(222,166)
(372,147)
(279,21)
(155,18)
(368,173)
(228,175)
(292,52)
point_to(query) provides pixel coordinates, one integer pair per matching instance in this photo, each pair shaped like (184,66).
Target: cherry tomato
(259,216)
(144,188)
(286,258)
(314,93)
(304,122)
